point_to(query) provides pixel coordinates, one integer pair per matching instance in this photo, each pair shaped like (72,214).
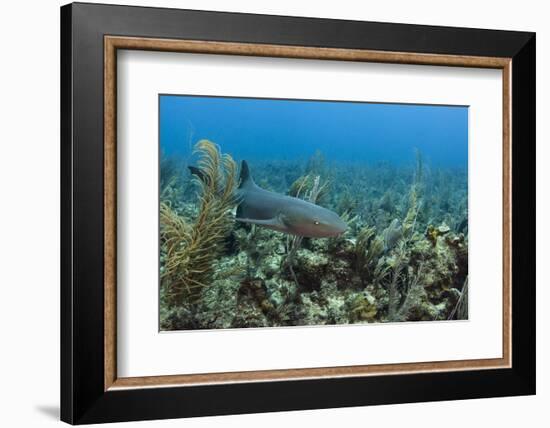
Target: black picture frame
(83,398)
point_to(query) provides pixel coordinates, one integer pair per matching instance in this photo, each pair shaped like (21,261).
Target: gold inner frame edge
(113,43)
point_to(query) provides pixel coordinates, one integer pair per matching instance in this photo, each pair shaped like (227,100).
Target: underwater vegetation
(402,257)
(190,248)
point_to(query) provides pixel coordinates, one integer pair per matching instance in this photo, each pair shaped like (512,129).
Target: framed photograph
(265,213)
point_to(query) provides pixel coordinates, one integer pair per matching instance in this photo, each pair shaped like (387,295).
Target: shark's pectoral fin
(270,222)
(275,223)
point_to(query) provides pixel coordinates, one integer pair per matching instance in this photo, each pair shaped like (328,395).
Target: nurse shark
(282,213)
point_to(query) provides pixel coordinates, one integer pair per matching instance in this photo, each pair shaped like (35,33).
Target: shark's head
(313,221)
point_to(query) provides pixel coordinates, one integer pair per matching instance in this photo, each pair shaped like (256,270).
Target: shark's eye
(316,222)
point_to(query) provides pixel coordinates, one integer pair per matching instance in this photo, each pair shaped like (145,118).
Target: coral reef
(404,256)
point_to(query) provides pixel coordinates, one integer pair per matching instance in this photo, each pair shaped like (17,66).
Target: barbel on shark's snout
(282,213)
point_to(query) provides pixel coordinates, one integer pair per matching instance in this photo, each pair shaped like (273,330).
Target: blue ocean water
(275,129)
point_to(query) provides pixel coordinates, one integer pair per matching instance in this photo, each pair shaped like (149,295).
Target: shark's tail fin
(200,174)
(246,179)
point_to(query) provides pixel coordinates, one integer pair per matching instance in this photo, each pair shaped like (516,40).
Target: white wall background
(29,213)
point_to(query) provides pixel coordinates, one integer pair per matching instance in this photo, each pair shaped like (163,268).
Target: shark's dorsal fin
(246,180)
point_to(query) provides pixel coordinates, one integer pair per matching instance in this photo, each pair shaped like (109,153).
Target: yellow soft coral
(192,249)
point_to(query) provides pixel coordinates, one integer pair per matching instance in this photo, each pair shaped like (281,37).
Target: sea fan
(192,249)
